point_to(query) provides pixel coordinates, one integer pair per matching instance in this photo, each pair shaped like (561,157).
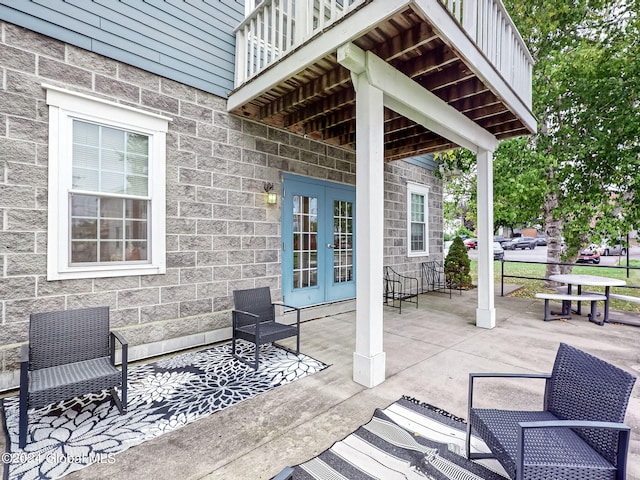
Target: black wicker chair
(578,434)
(70,353)
(254,320)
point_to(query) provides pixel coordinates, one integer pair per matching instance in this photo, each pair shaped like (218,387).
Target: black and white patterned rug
(163,396)
(408,440)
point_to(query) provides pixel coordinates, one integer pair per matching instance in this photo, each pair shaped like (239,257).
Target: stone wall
(397,174)
(221,234)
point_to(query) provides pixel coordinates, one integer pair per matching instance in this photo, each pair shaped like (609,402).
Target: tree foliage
(578,176)
(457,266)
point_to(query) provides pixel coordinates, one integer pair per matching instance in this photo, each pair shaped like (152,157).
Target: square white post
(486,312)
(369,358)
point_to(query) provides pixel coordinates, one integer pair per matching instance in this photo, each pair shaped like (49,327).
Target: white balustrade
(491,28)
(276,27)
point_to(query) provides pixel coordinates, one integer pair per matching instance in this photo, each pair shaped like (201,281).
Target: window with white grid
(106,188)
(417,220)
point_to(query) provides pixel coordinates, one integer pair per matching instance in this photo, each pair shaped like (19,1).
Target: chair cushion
(62,382)
(548,453)
(269,331)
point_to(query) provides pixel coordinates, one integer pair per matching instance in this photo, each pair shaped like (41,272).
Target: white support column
(369,358)
(486,312)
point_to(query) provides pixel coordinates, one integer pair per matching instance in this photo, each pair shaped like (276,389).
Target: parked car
(589,255)
(617,248)
(498,251)
(502,240)
(471,243)
(541,240)
(520,242)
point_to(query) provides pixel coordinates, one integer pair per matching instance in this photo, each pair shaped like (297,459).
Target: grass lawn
(539,270)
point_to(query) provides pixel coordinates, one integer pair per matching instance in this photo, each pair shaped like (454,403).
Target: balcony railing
(491,28)
(276,27)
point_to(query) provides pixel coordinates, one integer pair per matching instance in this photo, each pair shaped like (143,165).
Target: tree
(586,96)
(457,266)
(580,171)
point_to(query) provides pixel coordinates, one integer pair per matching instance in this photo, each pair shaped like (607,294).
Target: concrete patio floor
(430,351)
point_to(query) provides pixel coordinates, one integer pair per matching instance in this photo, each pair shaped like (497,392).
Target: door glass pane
(342,241)
(305,248)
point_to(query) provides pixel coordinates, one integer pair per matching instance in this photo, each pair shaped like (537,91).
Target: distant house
(139,142)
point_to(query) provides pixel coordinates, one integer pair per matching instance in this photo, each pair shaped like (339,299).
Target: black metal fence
(503,275)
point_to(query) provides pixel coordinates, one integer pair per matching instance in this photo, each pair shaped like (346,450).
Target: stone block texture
(221,234)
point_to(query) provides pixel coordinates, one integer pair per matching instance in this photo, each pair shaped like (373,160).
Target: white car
(616,249)
(498,251)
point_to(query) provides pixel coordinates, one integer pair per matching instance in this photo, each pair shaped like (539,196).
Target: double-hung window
(417,220)
(106,188)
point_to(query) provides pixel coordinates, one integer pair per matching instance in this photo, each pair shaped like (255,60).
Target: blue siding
(425,161)
(189,41)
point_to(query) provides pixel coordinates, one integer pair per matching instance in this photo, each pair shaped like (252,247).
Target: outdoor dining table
(592,281)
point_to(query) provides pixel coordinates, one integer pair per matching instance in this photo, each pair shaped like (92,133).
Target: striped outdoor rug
(408,440)
(163,396)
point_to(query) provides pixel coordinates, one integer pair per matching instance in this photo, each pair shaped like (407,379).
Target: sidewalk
(430,351)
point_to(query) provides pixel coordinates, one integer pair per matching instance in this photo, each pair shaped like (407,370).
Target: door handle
(330,245)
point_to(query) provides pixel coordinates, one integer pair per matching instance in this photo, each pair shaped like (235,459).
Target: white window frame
(418,189)
(64,107)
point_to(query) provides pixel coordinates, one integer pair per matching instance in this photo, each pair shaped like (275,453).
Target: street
(539,254)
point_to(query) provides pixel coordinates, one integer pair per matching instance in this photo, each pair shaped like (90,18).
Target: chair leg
(467,441)
(116,400)
(24,422)
(257,361)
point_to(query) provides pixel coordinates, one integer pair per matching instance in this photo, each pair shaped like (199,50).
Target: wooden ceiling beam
(335,102)
(491,111)
(507,127)
(333,119)
(430,146)
(417,138)
(393,122)
(305,93)
(496,121)
(432,62)
(416,37)
(458,91)
(410,40)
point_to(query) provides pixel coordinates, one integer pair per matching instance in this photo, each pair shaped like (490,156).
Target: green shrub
(457,265)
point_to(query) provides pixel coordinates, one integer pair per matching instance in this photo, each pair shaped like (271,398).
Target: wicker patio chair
(578,434)
(70,353)
(254,320)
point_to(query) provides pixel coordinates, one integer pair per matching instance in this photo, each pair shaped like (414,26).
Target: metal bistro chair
(70,353)
(399,288)
(578,434)
(254,320)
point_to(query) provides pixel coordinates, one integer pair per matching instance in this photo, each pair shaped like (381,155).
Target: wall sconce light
(272,197)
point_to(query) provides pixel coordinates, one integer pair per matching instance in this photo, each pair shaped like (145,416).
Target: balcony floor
(430,351)
(313,95)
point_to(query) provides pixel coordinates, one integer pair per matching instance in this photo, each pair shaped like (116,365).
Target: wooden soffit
(319,100)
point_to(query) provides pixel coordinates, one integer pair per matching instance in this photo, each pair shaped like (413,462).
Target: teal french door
(318,241)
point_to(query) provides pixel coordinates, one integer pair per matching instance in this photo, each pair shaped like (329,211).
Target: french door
(318,241)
